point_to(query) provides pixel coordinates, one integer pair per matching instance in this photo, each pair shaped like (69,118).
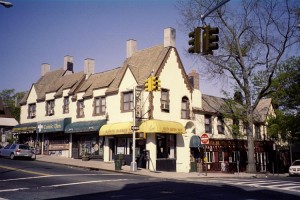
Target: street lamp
(6,4)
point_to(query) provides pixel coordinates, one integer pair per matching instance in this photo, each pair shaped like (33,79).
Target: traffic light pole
(133,166)
(213,9)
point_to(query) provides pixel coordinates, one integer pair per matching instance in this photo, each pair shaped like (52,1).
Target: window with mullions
(99,106)
(66,105)
(209,156)
(80,108)
(50,107)
(31,110)
(165,100)
(185,108)
(127,101)
(166,145)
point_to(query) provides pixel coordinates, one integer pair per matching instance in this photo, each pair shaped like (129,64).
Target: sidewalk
(110,166)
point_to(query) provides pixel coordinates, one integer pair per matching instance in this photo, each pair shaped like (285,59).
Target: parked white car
(295,168)
(17,151)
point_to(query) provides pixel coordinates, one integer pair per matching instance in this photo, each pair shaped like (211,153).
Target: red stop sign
(204,138)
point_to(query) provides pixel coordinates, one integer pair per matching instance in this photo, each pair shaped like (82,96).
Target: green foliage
(285,93)
(10,99)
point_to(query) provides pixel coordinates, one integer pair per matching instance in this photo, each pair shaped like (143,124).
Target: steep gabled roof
(141,64)
(262,110)
(46,82)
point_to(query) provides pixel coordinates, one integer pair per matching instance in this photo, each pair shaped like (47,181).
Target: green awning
(57,125)
(25,128)
(195,142)
(85,126)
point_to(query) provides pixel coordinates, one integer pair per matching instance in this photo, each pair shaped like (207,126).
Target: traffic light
(210,40)
(156,84)
(148,85)
(194,42)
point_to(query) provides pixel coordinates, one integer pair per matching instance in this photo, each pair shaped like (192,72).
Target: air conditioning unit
(32,115)
(165,106)
(51,112)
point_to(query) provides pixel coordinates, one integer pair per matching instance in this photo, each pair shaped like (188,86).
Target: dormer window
(50,107)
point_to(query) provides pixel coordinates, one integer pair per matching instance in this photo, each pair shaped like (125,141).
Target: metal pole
(133,163)
(6,4)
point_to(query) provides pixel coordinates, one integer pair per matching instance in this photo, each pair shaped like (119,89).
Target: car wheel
(12,156)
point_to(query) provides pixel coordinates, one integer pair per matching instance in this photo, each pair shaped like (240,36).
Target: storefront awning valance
(85,126)
(116,129)
(25,128)
(195,142)
(57,125)
(161,126)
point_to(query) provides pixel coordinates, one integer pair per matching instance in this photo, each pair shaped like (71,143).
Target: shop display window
(166,145)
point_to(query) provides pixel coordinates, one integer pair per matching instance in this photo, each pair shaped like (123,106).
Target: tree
(254,37)
(285,93)
(11,99)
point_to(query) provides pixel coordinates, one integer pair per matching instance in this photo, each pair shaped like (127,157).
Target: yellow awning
(116,129)
(161,126)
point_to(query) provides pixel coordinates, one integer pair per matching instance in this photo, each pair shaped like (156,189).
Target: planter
(85,158)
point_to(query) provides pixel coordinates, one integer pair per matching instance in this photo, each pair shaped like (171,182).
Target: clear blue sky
(33,32)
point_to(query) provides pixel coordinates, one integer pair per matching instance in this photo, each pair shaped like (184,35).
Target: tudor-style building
(73,113)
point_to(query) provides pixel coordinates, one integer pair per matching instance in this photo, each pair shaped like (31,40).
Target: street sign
(204,139)
(134,128)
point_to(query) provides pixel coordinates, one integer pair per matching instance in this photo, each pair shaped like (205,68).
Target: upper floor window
(99,106)
(165,100)
(80,108)
(220,125)
(127,102)
(50,107)
(66,105)
(31,110)
(185,108)
(257,132)
(236,126)
(208,124)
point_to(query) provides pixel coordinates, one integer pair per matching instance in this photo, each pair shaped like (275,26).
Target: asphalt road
(24,179)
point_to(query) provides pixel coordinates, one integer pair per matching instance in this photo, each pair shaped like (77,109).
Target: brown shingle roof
(141,63)
(212,104)
(97,81)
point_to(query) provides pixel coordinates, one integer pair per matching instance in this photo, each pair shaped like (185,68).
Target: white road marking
(13,190)
(86,182)
(65,184)
(49,176)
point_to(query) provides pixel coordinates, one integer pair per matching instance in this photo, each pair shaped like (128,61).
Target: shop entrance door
(111,144)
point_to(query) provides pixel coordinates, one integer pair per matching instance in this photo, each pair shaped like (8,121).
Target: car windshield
(297,162)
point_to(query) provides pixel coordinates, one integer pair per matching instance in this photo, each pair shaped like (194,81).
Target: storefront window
(166,146)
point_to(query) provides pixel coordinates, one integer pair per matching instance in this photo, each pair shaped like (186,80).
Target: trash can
(193,167)
(118,164)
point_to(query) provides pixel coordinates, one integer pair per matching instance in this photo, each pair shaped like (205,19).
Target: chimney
(68,63)
(45,68)
(89,66)
(194,79)
(169,37)
(131,47)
